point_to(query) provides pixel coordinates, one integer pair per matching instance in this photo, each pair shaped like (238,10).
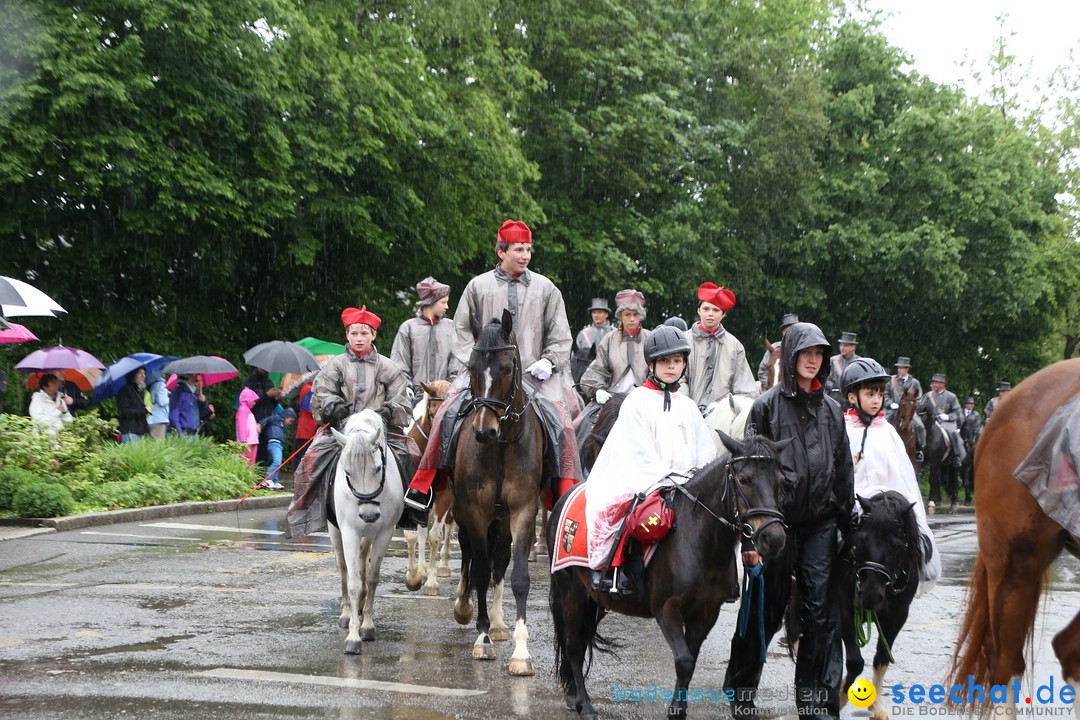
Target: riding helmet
(860,371)
(663,341)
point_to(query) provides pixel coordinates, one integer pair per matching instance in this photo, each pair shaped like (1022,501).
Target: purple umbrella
(53,358)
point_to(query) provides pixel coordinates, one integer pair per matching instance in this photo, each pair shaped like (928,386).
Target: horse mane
(492,335)
(895,505)
(362,431)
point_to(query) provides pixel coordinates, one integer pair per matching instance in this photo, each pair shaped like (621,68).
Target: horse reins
(745,529)
(369,498)
(503,411)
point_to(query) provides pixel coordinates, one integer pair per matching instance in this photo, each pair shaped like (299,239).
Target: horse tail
(972,654)
(568,600)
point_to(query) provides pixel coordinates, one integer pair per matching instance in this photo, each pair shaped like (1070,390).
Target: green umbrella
(316,347)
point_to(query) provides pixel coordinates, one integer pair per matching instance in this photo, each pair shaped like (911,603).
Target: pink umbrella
(59,357)
(208,378)
(16,333)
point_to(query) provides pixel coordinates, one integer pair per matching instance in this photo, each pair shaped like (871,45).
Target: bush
(202,484)
(139,491)
(95,431)
(43,500)
(11,481)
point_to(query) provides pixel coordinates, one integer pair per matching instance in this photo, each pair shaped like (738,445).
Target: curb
(77,522)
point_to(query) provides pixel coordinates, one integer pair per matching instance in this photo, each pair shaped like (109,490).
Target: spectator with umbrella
(48,407)
(268,357)
(64,361)
(132,408)
(187,399)
(158,422)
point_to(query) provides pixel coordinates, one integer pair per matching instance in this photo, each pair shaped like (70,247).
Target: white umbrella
(19,298)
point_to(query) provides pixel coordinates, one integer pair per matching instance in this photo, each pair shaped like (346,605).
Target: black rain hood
(802,336)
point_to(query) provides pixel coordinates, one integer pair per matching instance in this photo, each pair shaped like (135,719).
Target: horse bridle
(896,582)
(741,524)
(369,498)
(503,411)
(428,415)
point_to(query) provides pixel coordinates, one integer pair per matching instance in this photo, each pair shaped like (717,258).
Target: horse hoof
(412,584)
(367,634)
(499,634)
(352,647)
(463,616)
(521,667)
(532,555)
(931,507)
(443,572)
(483,651)
(343,622)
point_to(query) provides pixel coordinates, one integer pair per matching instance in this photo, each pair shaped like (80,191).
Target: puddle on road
(156,644)
(162,605)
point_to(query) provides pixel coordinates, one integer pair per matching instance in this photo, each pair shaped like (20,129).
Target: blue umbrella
(116,375)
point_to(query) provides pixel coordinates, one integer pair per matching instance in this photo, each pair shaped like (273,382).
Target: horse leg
(498,630)
(413,576)
(889,626)
(1067,649)
(351,542)
(483,648)
(540,548)
(444,554)
(343,572)
(463,609)
(522,533)
(670,619)
(373,557)
(435,536)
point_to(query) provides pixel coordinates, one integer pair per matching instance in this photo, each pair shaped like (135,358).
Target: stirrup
(600,581)
(418,501)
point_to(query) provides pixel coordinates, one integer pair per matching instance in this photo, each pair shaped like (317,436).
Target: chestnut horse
(902,419)
(690,575)
(1017,540)
(496,483)
(420,566)
(773,348)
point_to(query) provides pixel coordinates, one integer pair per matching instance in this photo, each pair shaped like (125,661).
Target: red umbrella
(16,333)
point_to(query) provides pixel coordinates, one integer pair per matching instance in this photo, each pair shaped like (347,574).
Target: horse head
(906,410)
(755,476)
(774,363)
(362,465)
(886,549)
(434,396)
(495,379)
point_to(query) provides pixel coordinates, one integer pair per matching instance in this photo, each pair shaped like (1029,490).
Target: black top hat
(789,320)
(939,377)
(1005,385)
(848,338)
(969,401)
(903,362)
(600,304)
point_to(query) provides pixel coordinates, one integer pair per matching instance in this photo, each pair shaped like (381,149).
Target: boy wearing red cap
(544,342)
(718,366)
(423,344)
(361,378)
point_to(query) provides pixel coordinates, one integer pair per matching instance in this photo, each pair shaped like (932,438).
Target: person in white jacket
(881,462)
(660,438)
(48,406)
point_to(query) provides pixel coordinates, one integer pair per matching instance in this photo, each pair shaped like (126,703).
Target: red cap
(721,297)
(350,316)
(515,231)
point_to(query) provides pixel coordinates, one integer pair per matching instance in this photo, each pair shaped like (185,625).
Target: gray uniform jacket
(718,367)
(616,353)
(944,402)
(540,323)
(897,386)
(423,350)
(837,364)
(348,384)
(585,347)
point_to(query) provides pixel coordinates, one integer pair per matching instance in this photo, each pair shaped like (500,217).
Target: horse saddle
(948,439)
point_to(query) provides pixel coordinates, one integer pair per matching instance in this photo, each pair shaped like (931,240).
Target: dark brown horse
(496,487)
(419,566)
(590,442)
(1017,540)
(902,419)
(691,574)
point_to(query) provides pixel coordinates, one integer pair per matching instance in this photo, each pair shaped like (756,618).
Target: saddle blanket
(1049,470)
(572,543)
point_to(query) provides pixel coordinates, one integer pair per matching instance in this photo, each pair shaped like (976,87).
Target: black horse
(879,573)
(593,431)
(970,430)
(691,574)
(937,458)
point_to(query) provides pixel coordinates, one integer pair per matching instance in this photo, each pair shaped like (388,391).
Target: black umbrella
(199,365)
(281,356)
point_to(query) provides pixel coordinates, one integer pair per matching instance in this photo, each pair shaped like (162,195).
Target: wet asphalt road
(220,616)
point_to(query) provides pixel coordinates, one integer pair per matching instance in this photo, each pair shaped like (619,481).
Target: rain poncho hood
(801,336)
(247,429)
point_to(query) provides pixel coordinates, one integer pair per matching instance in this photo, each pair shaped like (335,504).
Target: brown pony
(420,567)
(496,487)
(1017,540)
(902,421)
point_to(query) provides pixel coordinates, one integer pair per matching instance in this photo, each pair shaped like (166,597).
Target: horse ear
(779,445)
(339,437)
(474,327)
(768,345)
(429,390)
(729,442)
(507,322)
(864,504)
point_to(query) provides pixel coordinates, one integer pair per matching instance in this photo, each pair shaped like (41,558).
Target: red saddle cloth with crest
(648,523)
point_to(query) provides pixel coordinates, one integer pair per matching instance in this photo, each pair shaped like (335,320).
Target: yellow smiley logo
(861,693)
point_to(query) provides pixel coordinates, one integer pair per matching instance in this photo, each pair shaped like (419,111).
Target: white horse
(367,500)
(730,415)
